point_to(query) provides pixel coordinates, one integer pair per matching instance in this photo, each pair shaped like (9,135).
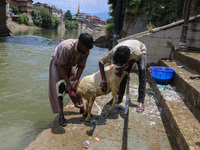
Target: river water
(24,105)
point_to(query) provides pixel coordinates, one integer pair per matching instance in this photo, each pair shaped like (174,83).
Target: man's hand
(103,86)
(69,89)
(75,85)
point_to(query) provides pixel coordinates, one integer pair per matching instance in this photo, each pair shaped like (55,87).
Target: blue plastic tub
(162,75)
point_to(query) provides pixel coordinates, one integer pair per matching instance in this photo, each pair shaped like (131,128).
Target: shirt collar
(76,45)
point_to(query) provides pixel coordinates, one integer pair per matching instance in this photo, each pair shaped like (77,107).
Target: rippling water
(24,105)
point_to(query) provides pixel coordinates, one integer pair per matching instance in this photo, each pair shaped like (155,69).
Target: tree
(20,19)
(71,25)
(47,19)
(158,12)
(57,22)
(25,18)
(68,15)
(37,19)
(109,29)
(76,25)
(110,20)
(15,10)
(163,12)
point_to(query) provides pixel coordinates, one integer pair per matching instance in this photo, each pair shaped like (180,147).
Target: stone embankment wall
(162,41)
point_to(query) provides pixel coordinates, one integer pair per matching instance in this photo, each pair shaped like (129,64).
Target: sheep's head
(120,70)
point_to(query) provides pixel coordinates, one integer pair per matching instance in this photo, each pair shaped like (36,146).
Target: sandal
(140,108)
(62,121)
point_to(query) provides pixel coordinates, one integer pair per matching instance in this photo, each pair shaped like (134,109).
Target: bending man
(68,62)
(137,54)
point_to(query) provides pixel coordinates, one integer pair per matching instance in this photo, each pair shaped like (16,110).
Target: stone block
(152,59)
(152,42)
(196,44)
(164,42)
(151,50)
(172,34)
(159,34)
(163,52)
(177,28)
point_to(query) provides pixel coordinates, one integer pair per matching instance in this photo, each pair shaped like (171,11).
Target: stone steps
(134,131)
(190,88)
(181,103)
(194,58)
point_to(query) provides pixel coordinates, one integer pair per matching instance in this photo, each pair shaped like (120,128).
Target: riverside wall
(162,41)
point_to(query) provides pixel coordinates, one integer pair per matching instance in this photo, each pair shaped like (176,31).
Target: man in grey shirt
(135,51)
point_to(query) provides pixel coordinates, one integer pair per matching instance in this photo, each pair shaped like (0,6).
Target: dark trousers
(142,79)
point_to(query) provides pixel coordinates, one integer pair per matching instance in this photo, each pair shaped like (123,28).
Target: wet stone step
(183,124)
(190,59)
(137,130)
(116,132)
(148,130)
(185,82)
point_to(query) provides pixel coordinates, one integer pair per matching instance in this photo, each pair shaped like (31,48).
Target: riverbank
(15,27)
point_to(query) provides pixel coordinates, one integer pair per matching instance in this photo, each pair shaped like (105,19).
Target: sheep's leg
(91,101)
(115,99)
(86,111)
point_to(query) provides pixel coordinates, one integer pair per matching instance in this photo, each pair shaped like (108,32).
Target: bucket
(162,75)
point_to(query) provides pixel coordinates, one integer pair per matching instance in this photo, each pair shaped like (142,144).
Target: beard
(80,51)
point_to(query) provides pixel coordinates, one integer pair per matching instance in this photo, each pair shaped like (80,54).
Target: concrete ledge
(191,59)
(184,126)
(190,88)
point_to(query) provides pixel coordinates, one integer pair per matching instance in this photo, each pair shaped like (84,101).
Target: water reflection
(52,34)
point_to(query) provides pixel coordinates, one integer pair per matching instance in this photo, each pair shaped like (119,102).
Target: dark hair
(121,55)
(86,39)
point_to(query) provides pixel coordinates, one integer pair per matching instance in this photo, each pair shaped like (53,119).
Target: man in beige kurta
(137,54)
(68,62)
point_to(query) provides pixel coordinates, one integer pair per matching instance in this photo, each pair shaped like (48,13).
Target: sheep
(89,88)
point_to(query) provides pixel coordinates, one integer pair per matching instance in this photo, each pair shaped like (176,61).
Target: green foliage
(196,8)
(47,19)
(67,24)
(57,22)
(76,25)
(158,12)
(112,7)
(15,10)
(26,19)
(23,18)
(37,19)
(68,15)
(44,19)
(109,29)
(163,12)
(134,7)
(71,25)
(20,19)
(110,20)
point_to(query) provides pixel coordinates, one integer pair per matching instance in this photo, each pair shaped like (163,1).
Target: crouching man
(118,54)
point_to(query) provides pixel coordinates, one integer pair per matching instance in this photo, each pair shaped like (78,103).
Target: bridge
(4,31)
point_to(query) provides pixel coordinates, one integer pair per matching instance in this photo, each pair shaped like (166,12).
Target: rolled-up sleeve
(107,58)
